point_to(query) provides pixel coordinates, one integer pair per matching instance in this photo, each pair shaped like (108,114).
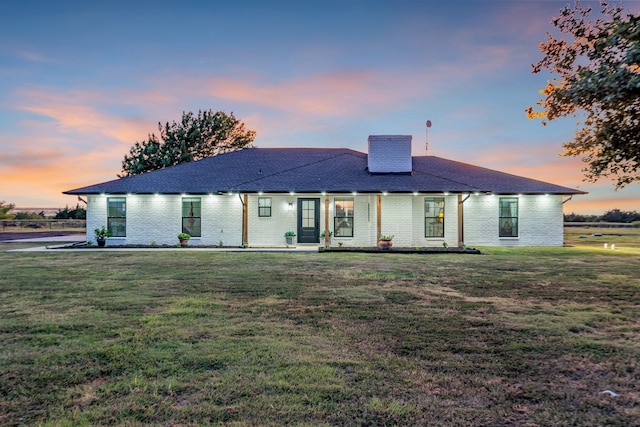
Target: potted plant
(385,241)
(324,233)
(184,239)
(101,236)
(289,235)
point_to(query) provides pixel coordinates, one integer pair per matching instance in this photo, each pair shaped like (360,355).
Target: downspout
(565,201)
(461,219)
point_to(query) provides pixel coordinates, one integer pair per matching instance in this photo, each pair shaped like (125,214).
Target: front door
(308,220)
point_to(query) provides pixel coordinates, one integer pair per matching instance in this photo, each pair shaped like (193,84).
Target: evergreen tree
(193,138)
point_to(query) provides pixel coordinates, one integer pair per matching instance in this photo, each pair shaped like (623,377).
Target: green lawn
(513,337)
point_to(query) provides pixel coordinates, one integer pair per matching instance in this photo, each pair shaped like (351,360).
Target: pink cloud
(328,95)
(75,111)
(40,177)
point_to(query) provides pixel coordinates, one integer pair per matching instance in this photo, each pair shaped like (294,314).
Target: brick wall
(158,218)
(269,231)
(540,221)
(152,218)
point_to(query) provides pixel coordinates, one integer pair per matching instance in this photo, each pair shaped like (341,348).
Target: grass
(522,336)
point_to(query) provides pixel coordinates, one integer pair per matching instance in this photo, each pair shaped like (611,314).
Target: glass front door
(308,220)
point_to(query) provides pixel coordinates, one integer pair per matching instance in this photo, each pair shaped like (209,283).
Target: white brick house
(253,196)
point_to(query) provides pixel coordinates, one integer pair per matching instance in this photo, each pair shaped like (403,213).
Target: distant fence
(603,224)
(42,224)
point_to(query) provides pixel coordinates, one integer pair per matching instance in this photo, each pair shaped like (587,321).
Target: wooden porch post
(460,221)
(326,220)
(245,221)
(378,216)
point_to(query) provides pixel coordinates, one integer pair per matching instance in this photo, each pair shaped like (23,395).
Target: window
(264,206)
(343,219)
(508,220)
(434,217)
(117,216)
(191,216)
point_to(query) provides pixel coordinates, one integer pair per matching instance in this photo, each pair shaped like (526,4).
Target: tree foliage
(614,215)
(5,208)
(29,215)
(598,80)
(76,213)
(193,138)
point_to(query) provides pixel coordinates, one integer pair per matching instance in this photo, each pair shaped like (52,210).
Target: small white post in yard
(606,245)
(613,247)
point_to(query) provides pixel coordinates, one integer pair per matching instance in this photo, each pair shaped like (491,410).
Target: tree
(28,215)
(616,215)
(193,138)
(77,213)
(5,209)
(599,82)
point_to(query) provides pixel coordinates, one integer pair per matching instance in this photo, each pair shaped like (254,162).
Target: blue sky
(80,82)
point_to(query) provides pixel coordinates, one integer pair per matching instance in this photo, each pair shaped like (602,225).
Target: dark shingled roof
(303,170)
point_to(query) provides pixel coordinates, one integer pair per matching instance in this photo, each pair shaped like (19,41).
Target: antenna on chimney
(426,144)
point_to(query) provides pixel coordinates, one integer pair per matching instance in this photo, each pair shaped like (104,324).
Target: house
(253,196)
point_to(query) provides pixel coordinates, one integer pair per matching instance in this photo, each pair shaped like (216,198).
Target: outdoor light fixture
(290,207)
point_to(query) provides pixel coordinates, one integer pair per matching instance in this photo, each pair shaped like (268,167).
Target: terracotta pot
(385,244)
(184,242)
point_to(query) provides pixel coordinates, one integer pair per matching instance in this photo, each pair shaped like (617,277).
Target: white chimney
(389,154)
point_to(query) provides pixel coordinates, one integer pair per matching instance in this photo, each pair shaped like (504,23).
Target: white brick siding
(269,231)
(450,221)
(157,218)
(540,221)
(397,219)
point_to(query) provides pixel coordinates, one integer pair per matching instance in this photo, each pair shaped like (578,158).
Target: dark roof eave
(341,191)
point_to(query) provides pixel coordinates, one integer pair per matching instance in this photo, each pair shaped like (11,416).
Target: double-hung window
(191,216)
(117,216)
(434,217)
(264,206)
(508,217)
(343,217)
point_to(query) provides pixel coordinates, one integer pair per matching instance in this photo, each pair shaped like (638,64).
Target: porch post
(378,216)
(326,220)
(460,221)
(245,220)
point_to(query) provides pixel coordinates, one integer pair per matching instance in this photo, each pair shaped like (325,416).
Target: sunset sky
(82,81)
